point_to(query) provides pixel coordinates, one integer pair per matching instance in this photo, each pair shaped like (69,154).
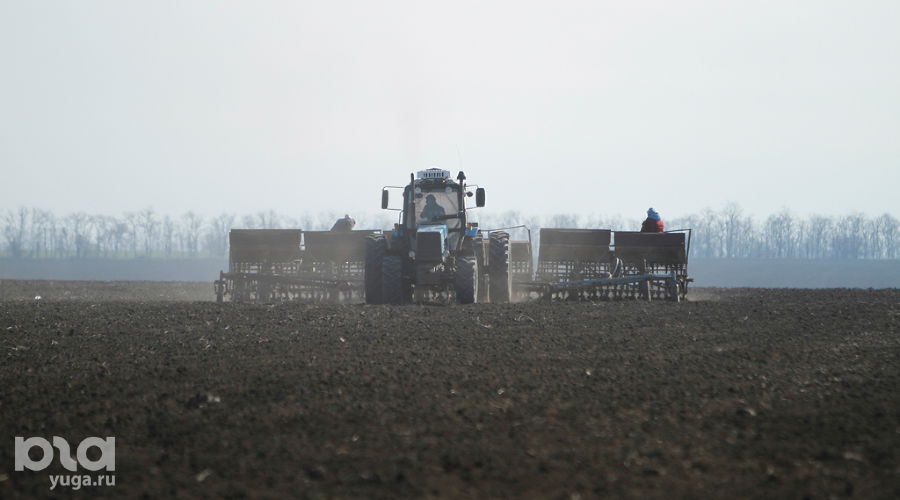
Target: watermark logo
(104,460)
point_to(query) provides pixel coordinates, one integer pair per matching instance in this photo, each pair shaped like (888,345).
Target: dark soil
(167,291)
(748,393)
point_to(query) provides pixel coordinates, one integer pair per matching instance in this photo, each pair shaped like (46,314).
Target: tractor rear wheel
(466,279)
(498,268)
(393,290)
(375,248)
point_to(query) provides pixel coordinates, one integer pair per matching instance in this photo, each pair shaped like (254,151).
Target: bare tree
(715,228)
(217,238)
(780,234)
(563,220)
(42,222)
(133,223)
(191,232)
(886,229)
(818,237)
(119,234)
(14,224)
(731,217)
(168,235)
(149,224)
(105,227)
(80,241)
(848,237)
(268,220)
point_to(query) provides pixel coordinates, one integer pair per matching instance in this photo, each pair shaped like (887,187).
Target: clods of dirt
(758,393)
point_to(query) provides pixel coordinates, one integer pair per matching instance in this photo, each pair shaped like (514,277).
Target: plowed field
(750,393)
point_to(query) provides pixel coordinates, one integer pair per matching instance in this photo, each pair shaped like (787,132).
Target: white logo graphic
(106,446)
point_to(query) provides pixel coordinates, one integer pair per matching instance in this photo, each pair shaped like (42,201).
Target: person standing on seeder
(653,223)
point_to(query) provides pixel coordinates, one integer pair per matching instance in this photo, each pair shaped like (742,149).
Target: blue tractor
(435,250)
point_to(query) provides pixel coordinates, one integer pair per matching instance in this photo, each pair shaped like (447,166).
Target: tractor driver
(431,210)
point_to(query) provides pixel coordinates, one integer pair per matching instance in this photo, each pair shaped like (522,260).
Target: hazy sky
(593,107)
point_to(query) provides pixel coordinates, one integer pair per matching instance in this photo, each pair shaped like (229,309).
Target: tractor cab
(434,207)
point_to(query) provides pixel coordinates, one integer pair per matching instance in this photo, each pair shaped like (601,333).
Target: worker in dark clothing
(653,223)
(344,225)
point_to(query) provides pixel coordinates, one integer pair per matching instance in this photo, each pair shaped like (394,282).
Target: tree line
(718,233)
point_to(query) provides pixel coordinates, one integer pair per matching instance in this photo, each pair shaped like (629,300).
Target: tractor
(435,252)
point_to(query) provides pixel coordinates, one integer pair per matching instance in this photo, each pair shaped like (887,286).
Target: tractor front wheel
(466,279)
